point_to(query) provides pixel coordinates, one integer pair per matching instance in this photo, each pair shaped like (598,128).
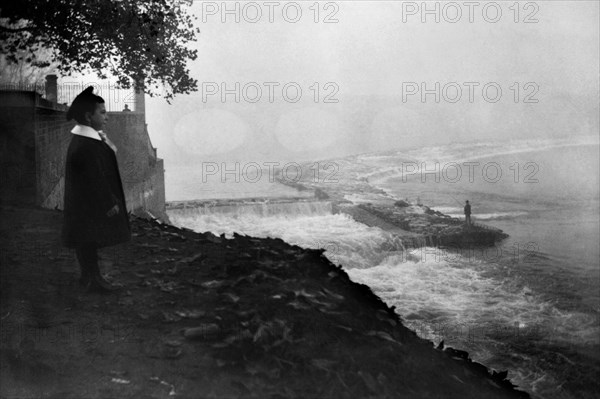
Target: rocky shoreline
(201,316)
(419,225)
(416,225)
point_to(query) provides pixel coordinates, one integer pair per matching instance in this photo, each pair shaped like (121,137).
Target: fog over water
(371,58)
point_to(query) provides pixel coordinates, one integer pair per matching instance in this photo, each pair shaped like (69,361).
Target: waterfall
(257,209)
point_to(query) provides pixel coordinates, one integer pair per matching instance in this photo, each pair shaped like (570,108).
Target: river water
(531,304)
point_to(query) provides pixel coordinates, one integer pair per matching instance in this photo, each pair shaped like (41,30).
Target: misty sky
(369,56)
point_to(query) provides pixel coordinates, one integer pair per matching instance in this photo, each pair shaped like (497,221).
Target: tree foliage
(143,42)
(21,73)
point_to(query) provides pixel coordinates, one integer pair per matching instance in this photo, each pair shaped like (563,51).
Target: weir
(292,206)
(413,230)
(251,206)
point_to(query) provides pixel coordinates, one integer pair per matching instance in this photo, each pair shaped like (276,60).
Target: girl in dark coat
(95,214)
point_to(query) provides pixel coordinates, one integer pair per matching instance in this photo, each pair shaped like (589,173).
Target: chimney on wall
(140,102)
(51,88)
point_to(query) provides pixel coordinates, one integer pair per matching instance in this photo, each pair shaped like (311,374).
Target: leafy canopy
(139,41)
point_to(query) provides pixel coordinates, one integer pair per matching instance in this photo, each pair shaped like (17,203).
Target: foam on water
(447,209)
(461,152)
(347,242)
(490,216)
(428,285)
(254,209)
(473,304)
(431,288)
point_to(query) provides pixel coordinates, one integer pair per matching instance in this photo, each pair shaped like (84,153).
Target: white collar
(86,131)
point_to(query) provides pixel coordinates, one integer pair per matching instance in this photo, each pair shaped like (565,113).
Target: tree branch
(15,30)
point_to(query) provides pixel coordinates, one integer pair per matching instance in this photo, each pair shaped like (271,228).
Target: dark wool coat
(92,187)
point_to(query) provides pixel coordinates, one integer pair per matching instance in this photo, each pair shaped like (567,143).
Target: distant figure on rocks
(126,109)
(95,213)
(467,213)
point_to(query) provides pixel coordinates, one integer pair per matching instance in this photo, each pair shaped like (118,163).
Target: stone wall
(52,139)
(142,172)
(17,149)
(149,194)
(34,137)
(127,130)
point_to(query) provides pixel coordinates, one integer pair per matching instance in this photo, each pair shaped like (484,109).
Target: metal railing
(115,98)
(39,88)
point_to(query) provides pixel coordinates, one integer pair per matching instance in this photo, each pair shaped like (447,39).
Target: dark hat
(85,102)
